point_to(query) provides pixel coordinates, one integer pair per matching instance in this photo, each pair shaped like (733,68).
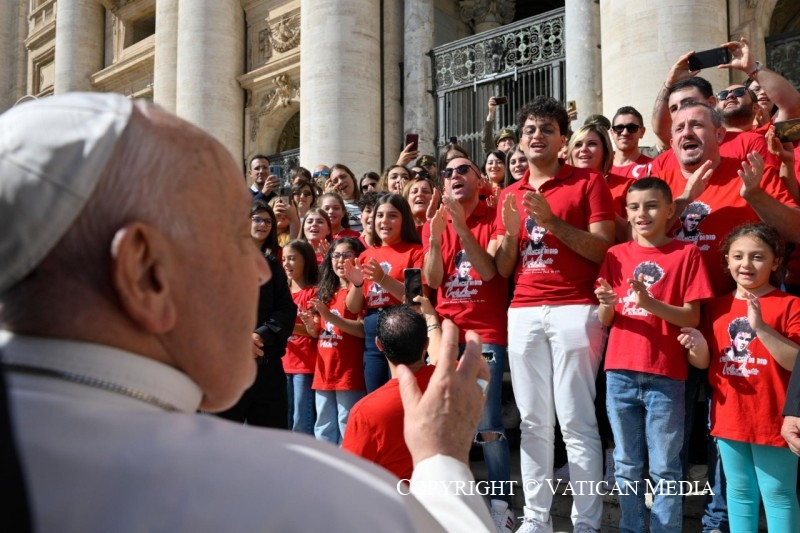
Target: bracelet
(358,286)
(755,71)
(433,327)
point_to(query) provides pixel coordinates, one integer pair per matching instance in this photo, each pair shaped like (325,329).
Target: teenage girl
(333,205)
(301,350)
(317,231)
(377,278)
(339,375)
(752,345)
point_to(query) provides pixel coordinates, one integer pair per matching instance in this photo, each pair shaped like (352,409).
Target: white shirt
(97,460)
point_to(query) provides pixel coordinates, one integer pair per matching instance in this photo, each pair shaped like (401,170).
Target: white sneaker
(502,516)
(529,525)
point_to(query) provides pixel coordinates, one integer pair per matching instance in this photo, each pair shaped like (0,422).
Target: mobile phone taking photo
(412,283)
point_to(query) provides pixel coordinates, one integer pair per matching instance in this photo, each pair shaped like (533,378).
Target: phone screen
(412,282)
(276,170)
(709,58)
(412,139)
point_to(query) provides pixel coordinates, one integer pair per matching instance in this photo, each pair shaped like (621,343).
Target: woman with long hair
(516,165)
(304,197)
(343,182)
(333,204)
(377,277)
(316,231)
(420,194)
(394,179)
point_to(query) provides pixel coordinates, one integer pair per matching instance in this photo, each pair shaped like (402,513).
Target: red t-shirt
(749,386)
(375,427)
(639,340)
(720,208)
(346,232)
(301,350)
(736,145)
(549,272)
(393,259)
(467,300)
(340,359)
(637,169)
(618,185)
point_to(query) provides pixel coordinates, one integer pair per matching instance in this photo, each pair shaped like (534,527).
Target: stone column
(583,58)
(485,15)
(12,49)
(80,30)
(340,83)
(418,109)
(210,57)
(642,40)
(393,46)
(165,70)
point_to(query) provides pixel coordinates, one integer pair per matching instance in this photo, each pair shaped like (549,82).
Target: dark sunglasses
(737,92)
(367,186)
(461,170)
(631,127)
(420,173)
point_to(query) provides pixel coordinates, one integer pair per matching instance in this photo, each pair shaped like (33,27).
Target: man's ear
(141,259)
(721,131)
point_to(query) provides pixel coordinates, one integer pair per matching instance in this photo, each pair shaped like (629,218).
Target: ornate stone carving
(264,50)
(285,35)
(538,41)
(481,11)
(782,57)
(281,95)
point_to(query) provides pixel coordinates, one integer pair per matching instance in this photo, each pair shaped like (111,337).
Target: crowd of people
(618,288)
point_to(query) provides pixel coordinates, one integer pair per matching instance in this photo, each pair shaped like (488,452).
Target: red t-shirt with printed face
(340,358)
(736,145)
(375,427)
(639,340)
(463,297)
(301,350)
(548,272)
(393,260)
(638,169)
(718,210)
(618,185)
(749,386)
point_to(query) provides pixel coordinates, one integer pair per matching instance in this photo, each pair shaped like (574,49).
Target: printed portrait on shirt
(463,266)
(737,357)
(535,249)
(651,273)
(691,218)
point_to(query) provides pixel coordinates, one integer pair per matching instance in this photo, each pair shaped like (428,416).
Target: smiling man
(555,337)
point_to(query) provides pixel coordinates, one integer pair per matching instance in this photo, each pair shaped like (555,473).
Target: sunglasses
(631,127)
(419,173)
(342,255)
(323,173)
(737,92)
(461,170)
(303,193)
(368,186)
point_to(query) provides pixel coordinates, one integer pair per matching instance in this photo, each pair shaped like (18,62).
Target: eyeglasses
(342,255)
(258,221)
(303,193)
(323,173)
(461,170)
(631,127)
(420,173)
(368,186)
(737,92)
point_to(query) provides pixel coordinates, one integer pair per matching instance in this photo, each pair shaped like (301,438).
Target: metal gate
(519,61)
(783,52)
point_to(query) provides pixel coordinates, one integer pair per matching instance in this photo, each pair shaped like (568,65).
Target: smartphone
(572,106)
(412,282)
(285,193)
(276,170)
(709,58)
(788,131)
(501,100)
(413,140)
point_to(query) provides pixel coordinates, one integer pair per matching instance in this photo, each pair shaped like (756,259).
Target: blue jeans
(301,402)
(333,410)
(496,454)
(646,413)
(376,368)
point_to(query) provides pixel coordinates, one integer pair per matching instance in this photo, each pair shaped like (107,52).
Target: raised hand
(605,293)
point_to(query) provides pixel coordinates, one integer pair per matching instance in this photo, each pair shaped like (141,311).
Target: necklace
(97,383)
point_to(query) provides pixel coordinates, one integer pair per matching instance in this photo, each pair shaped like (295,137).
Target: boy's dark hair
(702,84)
(460,257)
(652,183)
(257,156)
(696,208)
(740,325)
(402,333)
(368,199)
(628,110)
(544,107)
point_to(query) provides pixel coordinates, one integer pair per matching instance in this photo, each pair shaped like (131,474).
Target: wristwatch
(755,71)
